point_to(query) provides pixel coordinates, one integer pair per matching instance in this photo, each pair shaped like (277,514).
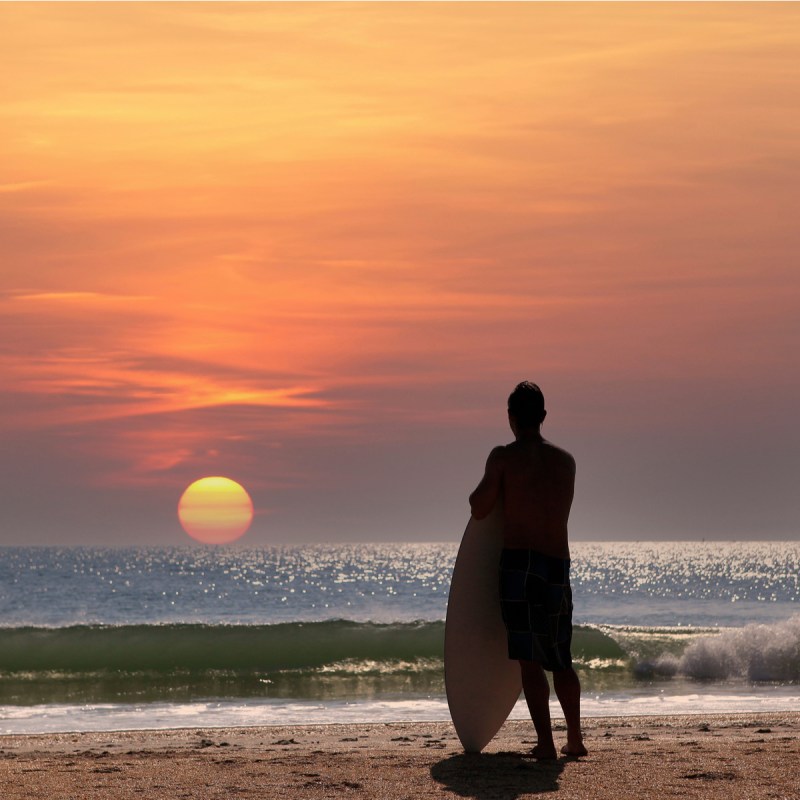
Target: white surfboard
(482,683)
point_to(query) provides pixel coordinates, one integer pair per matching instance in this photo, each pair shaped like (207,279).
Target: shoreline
(246,713)
(753,755)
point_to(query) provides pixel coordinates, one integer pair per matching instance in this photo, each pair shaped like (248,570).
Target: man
(535,481)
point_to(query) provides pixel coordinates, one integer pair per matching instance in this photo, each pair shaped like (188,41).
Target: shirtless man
(535,481)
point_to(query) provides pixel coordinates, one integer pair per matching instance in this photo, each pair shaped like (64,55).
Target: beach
(709,756)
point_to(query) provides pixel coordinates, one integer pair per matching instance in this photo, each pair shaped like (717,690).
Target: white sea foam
(754,652)
(160,716)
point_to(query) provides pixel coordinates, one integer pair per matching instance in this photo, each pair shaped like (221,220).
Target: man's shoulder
(498,453)
(560,455)
(496,462)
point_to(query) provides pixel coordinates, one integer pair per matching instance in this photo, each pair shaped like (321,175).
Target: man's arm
(486,494)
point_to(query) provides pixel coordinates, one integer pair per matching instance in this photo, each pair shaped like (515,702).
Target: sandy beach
(732,756)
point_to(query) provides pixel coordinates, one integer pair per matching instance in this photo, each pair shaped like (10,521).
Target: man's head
(526,406)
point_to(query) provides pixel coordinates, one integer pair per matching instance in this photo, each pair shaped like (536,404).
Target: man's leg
(537,696)
(568,691)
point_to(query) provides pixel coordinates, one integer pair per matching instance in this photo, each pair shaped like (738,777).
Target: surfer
(535,481)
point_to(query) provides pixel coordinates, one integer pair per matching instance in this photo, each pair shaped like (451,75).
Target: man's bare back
(536,482)
(538,486)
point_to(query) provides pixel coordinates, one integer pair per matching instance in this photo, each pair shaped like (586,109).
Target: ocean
(111,639)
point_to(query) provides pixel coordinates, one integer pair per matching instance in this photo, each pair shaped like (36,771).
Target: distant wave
(194,647)
(297,646)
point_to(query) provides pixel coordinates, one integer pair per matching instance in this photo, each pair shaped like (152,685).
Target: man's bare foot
(576,751)
(543,752)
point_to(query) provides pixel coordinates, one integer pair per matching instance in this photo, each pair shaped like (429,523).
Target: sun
(215,510)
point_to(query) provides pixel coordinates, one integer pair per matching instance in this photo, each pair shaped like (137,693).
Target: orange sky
(313,247)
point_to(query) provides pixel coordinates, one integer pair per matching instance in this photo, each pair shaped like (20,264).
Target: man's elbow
(479,509)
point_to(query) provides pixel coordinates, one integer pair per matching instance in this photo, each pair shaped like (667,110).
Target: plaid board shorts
(536,601)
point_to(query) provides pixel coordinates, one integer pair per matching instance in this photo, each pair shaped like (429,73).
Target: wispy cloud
(78,298)
(23,186)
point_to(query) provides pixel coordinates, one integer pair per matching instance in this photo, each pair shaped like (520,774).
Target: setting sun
(215,510)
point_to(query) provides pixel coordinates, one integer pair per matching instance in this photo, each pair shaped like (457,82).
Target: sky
(313,247)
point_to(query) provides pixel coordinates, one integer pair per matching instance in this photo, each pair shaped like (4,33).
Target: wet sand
(748,756)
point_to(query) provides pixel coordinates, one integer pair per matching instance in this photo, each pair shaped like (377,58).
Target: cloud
(23,186)
(91,388)
(78,298)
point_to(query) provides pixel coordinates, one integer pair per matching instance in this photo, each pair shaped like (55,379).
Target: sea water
(105,639)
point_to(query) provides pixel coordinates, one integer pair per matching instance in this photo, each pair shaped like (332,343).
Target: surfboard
(482,683)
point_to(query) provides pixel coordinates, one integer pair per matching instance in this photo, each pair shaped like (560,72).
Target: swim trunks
(536,601)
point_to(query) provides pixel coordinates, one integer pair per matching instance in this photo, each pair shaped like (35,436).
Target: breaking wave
(753,653)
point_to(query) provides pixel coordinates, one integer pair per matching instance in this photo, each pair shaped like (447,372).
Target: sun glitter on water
(215,510)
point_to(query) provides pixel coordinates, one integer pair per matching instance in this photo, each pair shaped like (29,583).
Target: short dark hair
(526,405)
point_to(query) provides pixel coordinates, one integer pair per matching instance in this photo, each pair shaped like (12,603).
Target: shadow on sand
(497,776)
